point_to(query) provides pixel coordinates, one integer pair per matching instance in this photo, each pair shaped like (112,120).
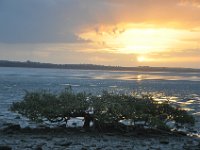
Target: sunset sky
(107,32)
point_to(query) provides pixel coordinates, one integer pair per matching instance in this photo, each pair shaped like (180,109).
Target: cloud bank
(54,21)
(42,29)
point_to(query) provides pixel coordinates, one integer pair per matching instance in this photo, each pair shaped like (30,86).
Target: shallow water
(179,88)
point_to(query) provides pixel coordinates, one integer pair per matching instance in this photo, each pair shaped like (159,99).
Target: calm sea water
(180,88)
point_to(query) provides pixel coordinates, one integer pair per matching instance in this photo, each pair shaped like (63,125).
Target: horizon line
(116,66)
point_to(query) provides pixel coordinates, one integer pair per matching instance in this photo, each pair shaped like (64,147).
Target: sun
(141,59)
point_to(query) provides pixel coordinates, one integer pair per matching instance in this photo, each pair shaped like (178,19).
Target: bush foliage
(105,110)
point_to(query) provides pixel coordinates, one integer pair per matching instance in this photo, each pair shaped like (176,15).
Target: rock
(155,148)
(17,117)
(143,144)
(74,124)
(180,133)
(66,144)
(5,147)
(62,126)
(110,134)
(12,127)
(63,143)
(38,148)
(93,145)
(119,146)
(164,142)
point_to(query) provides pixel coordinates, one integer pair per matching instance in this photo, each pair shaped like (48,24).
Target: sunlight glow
(141,41)
(135,40)
(141,59)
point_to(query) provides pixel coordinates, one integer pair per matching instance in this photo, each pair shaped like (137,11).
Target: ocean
(177,87)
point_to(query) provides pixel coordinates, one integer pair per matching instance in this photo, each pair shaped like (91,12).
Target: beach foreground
(76,139)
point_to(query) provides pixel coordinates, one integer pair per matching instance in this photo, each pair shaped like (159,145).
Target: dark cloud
(40,21)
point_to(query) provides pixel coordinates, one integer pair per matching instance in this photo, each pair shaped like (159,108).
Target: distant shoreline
(30,64)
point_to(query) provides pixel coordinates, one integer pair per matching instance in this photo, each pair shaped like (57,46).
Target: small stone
(62,126)
(38,148)
(118,146)
(17,117)
(22,140)
(74,124)
(164,142)
(66,144)
(143,144)
(154,147)
(93,145)
(29,146)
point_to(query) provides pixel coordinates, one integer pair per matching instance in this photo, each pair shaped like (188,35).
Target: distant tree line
(30,64)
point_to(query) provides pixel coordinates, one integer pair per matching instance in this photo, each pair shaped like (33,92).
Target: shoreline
(77,139)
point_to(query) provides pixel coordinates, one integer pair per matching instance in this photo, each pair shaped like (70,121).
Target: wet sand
(75,139)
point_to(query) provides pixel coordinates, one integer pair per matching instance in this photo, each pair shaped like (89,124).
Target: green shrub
(109,109)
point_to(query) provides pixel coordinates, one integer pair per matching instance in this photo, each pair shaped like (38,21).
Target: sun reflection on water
(190,103)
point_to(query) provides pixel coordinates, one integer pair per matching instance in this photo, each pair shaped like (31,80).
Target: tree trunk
(88,118)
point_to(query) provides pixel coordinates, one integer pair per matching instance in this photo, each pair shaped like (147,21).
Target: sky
(161,33)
